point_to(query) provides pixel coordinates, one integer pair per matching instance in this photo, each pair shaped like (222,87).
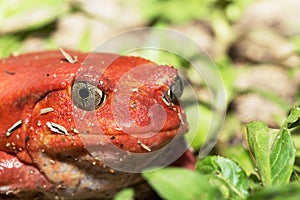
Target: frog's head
(126,102)
(130,102)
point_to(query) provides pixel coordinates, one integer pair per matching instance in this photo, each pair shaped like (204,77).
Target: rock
(265,45)
(252,107)
(99,21)
(199,31)
(34,43)
(282,16)
(270,78)
(72,28)
(117,14)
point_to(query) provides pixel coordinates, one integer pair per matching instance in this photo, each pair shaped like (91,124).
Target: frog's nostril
(142,122)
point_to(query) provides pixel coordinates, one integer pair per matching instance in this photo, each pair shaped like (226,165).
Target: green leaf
(240,155)
(85,42)
(293,118)
(227,175)
(229,74)
(199,124)
(169,11)
(23,15)
(273,151)
(235,8)
(125,194)
(176,183)
(296,41)
(282,103)
(286,192)
(8,43)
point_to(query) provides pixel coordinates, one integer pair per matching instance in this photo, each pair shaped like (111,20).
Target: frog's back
(27,78)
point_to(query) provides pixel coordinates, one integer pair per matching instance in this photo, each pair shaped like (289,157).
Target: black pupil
(83,93)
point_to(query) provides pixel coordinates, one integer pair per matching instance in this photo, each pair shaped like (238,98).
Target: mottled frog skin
(41,151)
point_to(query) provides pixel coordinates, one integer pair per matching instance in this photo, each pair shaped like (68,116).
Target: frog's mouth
(132,154)
(137,143)
(117,149)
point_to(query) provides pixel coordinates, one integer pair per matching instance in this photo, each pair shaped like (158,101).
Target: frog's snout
(147,111)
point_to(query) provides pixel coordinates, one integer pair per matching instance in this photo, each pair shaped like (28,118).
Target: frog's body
(36,96)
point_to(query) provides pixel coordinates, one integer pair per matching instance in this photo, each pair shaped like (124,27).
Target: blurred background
(254,43)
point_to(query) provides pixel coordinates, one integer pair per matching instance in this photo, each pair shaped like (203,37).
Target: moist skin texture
(44,136)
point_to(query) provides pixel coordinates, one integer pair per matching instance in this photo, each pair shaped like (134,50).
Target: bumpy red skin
(34,81)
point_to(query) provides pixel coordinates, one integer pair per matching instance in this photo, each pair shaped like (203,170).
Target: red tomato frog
(56,107)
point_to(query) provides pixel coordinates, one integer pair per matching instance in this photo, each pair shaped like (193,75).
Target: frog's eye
(176,89)
(174,93)
(87,96)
